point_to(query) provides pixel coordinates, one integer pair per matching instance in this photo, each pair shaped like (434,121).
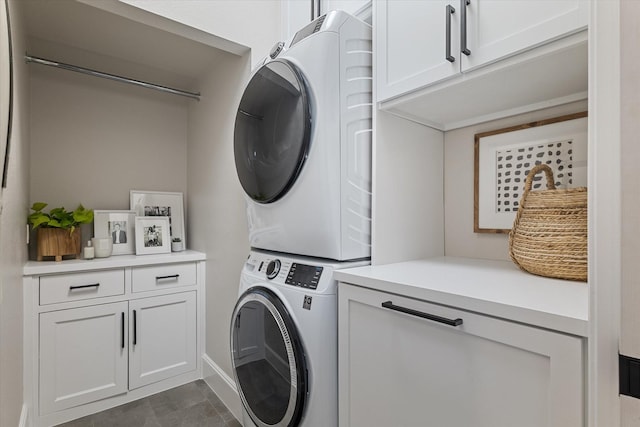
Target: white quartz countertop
(494,288)
(32,268)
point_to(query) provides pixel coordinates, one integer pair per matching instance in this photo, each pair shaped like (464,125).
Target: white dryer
(284,341)
(302,142)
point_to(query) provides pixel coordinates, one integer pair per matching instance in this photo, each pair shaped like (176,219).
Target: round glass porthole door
(268,360)
(272,131)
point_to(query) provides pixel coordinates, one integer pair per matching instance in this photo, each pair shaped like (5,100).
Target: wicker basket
(549,234)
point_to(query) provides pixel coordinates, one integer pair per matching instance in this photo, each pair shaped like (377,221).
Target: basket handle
(532,173)
(527,188)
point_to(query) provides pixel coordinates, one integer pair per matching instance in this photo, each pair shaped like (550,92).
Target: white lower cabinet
(163,342)
(83,355)
(105,332)
(398,367)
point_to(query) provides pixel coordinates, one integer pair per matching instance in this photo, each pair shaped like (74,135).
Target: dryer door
(268,359)
(272,131)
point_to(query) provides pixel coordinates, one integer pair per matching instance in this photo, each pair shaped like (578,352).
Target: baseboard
(24,416)
(222,385)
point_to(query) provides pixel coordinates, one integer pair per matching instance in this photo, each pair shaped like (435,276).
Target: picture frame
(503,158)
(161,203)
(120,226)
(152,235)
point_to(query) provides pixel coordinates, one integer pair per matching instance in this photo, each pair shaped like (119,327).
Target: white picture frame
(161,203)
(152,235)
(503,158)
(120,225)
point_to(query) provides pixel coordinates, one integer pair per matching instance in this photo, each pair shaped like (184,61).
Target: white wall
(217,215)
(93,140)
(460,240)
(13,251)
(252,23)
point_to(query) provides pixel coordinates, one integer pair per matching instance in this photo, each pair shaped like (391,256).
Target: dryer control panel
(305,276)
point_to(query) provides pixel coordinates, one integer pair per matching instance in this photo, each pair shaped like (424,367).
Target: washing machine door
(268,359)
(272,131)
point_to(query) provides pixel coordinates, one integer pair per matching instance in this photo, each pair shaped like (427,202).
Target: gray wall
(93,140)
(217,215)
(13,252)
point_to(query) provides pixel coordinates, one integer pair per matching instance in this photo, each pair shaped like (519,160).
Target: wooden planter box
(56,242)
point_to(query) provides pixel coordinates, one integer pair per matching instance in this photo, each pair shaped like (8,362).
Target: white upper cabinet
(498,28)
(423,42)
(412,40)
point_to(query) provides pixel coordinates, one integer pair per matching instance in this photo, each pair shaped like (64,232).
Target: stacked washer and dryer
(302,147)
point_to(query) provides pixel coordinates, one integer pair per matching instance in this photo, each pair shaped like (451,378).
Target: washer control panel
(273,268)
(305,276)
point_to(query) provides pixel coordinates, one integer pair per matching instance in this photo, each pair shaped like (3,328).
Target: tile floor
(190,405)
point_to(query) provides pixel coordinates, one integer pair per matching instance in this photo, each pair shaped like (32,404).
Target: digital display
(306,276)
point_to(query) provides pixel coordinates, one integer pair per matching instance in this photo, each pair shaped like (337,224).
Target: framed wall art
(120,226)
(152,235)
(160,203)
(504,157)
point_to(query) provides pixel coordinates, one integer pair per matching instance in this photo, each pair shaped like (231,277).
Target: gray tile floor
(190,405)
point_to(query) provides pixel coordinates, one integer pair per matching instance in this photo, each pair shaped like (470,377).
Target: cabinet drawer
(80,286)
(163,276)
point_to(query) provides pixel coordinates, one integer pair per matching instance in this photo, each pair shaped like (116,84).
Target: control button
(273,268)
(276,49)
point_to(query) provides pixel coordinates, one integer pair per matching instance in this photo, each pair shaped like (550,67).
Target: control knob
(273,268)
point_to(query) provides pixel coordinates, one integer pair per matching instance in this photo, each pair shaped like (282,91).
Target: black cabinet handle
(313,12)
(449,10)
(450,322)
(463,27)
(94,285)
(122,330)
(173,276)
(135,328)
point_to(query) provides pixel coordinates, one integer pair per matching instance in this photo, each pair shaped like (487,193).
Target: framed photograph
(504,157)
(159,203)
(120,226)
(152,235)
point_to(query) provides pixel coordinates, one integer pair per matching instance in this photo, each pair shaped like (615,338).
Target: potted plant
(58,230)
(176,244)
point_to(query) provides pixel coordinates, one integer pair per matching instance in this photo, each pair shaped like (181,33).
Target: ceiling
(80,34)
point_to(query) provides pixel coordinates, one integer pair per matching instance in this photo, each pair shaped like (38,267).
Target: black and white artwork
(152,235)
(504,157)
(161,204)
(119,225)
(513,166)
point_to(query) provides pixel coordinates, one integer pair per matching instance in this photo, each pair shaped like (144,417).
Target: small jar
(89,251)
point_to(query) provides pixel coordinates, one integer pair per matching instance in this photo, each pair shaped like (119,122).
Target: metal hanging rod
(108,76)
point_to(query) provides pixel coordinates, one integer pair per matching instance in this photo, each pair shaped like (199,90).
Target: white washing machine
(284,341)
(302,142)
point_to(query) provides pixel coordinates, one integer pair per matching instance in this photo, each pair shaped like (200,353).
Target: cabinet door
(162,337)
(83,356)
(411,39)
(498,28)
(398,369)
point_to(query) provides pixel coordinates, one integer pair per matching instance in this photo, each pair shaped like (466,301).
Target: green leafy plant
(59,217)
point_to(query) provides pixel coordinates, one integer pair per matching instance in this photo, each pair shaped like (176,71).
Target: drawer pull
(94,285)
(173,276)
(449,10)
(450,322)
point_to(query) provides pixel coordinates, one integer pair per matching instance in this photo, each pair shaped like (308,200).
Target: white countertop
(115,261)
(495,288)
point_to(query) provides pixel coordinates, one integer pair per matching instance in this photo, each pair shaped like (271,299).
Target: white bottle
(89,251)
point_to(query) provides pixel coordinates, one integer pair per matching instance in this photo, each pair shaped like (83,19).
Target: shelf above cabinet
(549,75)
(494,288)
